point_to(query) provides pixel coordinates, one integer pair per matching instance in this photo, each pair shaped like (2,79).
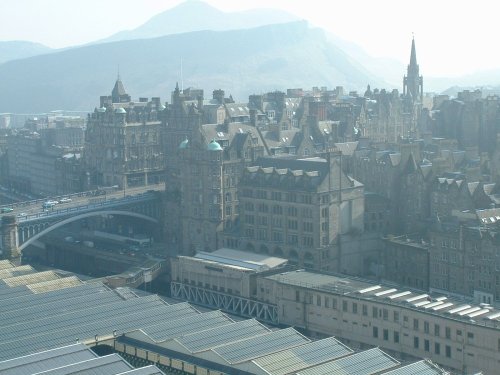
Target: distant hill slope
(197,15)
(13,50)
(485,90)
(241,62)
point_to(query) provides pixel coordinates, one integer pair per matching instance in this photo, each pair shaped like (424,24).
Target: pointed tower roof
(118,90)
(413,55)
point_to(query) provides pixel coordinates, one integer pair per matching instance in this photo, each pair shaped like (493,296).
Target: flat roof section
(341,285)
(243,259)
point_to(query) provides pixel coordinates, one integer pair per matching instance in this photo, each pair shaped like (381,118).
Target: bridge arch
(83,216)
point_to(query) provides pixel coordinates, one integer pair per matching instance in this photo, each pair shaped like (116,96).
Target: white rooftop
(243,259)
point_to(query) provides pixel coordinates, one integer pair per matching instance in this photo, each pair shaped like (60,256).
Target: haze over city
(249,187)
(455,38)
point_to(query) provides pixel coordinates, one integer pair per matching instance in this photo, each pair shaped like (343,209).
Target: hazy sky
(453,37)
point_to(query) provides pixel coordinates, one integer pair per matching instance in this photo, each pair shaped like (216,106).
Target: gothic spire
(413,56)
(413,81)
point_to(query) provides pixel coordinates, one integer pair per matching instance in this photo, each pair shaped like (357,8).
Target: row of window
(279,210)
(381,313)
(278,196)
(307,226)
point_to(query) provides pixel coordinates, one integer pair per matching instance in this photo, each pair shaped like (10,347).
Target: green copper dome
(120,110)
(214,146)
(184,144)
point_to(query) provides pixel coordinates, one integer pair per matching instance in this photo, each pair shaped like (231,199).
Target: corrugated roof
(30,278)
(293,360)
(147,370)
(368,362)
(111,364)
(418,368)
(122,317)
(7,292)
(58,307)
(210,338)
(47,286)
(258,346)
(16,271)
(5,264)
(21,302)
(46,360)
(72,360)
(186,325)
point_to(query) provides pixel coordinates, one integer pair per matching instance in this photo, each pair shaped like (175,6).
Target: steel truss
(265,312)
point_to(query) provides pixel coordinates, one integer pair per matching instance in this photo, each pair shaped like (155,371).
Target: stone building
(406,262)
(298,209)
(33,164)
(461,336)
(4,167)
(205,162)
(123,141)
(465,255)
(470,119)
(453,192)
(402,177)
(385,116)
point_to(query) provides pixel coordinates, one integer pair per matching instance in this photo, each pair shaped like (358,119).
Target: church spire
(412,81)
(413,56)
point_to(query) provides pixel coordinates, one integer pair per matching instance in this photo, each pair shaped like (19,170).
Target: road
(31,207)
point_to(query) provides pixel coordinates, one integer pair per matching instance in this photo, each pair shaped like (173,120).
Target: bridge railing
(90,193)
(87,207)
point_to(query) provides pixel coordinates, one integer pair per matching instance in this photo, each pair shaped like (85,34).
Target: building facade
(123,141)
(204,165)
(298,209)
(459,336)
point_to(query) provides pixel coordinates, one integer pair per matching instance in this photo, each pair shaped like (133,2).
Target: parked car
(65,200)
(4,210)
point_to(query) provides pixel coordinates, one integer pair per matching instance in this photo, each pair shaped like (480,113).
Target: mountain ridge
(191,16)
(20,49)
(242,62)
